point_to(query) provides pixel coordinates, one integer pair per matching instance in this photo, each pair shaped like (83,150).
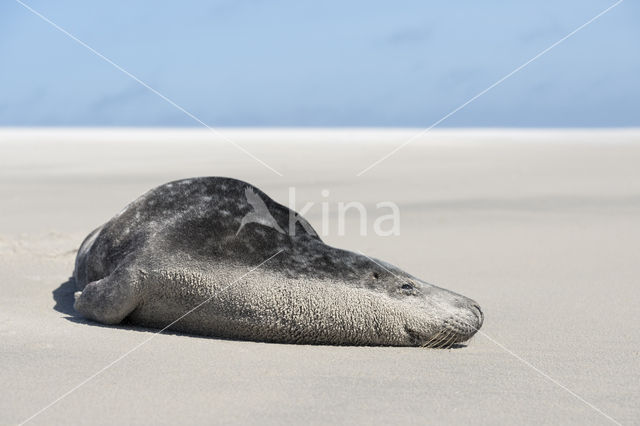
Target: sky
(320,63)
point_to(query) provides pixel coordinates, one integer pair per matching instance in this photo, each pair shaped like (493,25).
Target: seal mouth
(452,331)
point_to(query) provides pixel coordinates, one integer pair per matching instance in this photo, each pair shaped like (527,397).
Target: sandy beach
(541,227)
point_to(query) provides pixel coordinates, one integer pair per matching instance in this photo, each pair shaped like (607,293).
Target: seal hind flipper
(110,299)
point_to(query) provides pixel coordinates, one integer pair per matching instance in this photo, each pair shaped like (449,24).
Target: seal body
(183,256)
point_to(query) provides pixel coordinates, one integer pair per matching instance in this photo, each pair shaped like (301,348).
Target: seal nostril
(478,312)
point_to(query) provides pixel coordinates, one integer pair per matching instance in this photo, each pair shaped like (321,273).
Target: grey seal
(182,257)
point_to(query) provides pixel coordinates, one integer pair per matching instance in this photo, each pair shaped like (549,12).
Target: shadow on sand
(63,296)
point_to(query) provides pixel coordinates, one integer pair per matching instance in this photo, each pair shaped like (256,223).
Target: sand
(541,227)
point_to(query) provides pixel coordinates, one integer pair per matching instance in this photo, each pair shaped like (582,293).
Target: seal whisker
(452,341)
(428,343)
(444,336)
(441,337)
(451,337)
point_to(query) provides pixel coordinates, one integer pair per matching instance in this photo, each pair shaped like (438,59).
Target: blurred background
(330,63)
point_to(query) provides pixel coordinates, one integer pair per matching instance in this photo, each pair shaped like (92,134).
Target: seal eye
(376,275)
(407,286)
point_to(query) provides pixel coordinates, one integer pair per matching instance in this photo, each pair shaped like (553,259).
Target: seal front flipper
(110,299)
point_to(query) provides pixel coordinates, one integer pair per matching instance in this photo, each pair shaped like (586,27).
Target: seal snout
(471,315)
(468,308)
(465,319)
